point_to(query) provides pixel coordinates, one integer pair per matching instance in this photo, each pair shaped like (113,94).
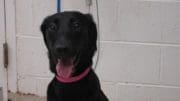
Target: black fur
(67,35)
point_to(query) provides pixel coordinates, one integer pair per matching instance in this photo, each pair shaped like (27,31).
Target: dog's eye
(75,24)
(52,27)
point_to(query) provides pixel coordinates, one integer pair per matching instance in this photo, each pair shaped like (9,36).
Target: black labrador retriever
(70,38)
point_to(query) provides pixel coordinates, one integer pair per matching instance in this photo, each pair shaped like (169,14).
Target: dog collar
(75,78)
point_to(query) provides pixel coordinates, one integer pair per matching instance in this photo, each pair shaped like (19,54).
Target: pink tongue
(64,70)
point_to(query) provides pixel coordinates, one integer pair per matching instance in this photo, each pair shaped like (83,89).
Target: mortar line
(144,43)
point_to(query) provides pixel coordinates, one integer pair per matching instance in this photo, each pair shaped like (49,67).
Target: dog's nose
(60,48)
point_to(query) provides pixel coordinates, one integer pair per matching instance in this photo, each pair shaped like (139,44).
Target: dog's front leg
(51,96)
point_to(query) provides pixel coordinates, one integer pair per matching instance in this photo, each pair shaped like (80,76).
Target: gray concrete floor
(20,97)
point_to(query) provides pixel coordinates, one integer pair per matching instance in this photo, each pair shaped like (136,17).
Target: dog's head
(70,38)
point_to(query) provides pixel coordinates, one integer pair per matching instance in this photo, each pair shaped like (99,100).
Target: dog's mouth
(64,67)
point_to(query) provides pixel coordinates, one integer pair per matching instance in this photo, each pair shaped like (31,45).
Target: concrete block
(42,85)
(135,92)
(24,17)
(33,85)
(110,90)
(41,9)
(171,22)
(167,94)
(129,63)
(170,70)
(31,13)
(74,5)
(138,21)
(108,13)
(27,85)
(32,57)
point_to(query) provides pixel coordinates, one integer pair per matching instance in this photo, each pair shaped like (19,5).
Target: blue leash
(58,6)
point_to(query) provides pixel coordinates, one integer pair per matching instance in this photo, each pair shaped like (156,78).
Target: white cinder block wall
(139,54)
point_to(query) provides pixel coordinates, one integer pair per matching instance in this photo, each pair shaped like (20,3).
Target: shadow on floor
(20,97)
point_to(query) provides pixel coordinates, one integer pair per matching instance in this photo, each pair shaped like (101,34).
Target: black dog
(70,38)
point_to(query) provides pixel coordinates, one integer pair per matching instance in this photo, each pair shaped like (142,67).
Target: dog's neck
(74,78)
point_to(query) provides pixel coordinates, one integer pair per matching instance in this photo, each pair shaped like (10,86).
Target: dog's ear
(92,32)
(89,17)
(43,26)
(43,29)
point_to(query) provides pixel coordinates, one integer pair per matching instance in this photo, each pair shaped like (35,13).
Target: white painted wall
(140,47)
(3,71)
